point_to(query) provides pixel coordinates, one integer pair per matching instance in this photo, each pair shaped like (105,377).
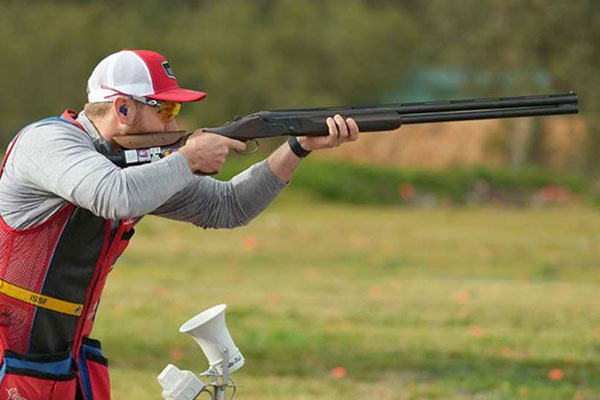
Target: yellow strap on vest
(40,300)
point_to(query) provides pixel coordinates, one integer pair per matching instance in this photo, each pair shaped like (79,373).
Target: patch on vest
(13,394)
(168,70)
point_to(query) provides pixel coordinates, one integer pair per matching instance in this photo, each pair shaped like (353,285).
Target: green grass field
(336,301)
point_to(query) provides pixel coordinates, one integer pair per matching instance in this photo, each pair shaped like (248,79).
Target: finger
(353,126)
(331,140)
(342,128)
(333,130)
(235,144)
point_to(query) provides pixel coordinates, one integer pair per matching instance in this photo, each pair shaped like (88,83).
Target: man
(67,213)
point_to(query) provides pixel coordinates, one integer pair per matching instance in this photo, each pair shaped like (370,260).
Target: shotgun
(144,148)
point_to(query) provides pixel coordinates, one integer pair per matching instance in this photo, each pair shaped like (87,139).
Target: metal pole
(221,388)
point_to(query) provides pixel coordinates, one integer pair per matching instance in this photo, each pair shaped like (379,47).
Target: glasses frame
(149,102)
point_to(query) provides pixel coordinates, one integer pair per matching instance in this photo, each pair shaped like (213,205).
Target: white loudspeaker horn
(209,330)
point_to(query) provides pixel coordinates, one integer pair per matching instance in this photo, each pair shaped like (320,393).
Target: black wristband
(296,148)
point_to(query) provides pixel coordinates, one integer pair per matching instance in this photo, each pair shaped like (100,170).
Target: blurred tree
(251,55)
(247,55)
(516,36)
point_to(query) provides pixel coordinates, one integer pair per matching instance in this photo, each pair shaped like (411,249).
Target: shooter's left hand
(340,131)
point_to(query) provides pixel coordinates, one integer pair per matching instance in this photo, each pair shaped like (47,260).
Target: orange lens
(168,110)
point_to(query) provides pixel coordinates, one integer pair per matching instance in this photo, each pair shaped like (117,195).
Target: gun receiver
(311,121)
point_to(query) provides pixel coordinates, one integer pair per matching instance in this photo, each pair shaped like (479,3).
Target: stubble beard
(137,126)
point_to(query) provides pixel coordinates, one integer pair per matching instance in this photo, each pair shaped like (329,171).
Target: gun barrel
(311,121)
(440,106)
(419,118)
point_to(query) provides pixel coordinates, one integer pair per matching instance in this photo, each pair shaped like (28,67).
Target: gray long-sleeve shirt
(54,163)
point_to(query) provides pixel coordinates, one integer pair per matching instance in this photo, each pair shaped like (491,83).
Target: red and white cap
(138,73)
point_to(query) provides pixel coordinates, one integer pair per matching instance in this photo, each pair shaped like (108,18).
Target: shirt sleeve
(211,203)
(62,161)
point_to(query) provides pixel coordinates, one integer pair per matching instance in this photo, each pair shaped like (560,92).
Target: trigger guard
(252,150)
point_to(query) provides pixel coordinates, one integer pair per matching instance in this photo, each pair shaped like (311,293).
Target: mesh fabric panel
(25,256)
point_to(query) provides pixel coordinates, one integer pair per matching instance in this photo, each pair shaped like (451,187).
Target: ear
(124,110)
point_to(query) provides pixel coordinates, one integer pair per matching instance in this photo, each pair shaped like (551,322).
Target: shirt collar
(99,142)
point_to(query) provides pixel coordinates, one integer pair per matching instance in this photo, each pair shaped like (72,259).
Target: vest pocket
(93,371)
(37,376)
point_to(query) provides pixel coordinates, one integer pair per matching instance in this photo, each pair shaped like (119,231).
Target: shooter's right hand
(206,152)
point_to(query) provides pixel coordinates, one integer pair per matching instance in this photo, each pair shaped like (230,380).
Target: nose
(171,126)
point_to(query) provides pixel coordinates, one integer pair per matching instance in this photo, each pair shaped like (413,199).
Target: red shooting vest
(51,280)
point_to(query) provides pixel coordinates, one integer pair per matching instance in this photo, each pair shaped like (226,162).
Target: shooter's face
(147,120)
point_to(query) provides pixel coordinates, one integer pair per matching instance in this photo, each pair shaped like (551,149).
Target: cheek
(151,122)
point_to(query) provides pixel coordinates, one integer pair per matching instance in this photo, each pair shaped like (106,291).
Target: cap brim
(179,94)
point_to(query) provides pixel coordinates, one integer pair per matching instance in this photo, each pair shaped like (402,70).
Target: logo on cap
(167,68)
